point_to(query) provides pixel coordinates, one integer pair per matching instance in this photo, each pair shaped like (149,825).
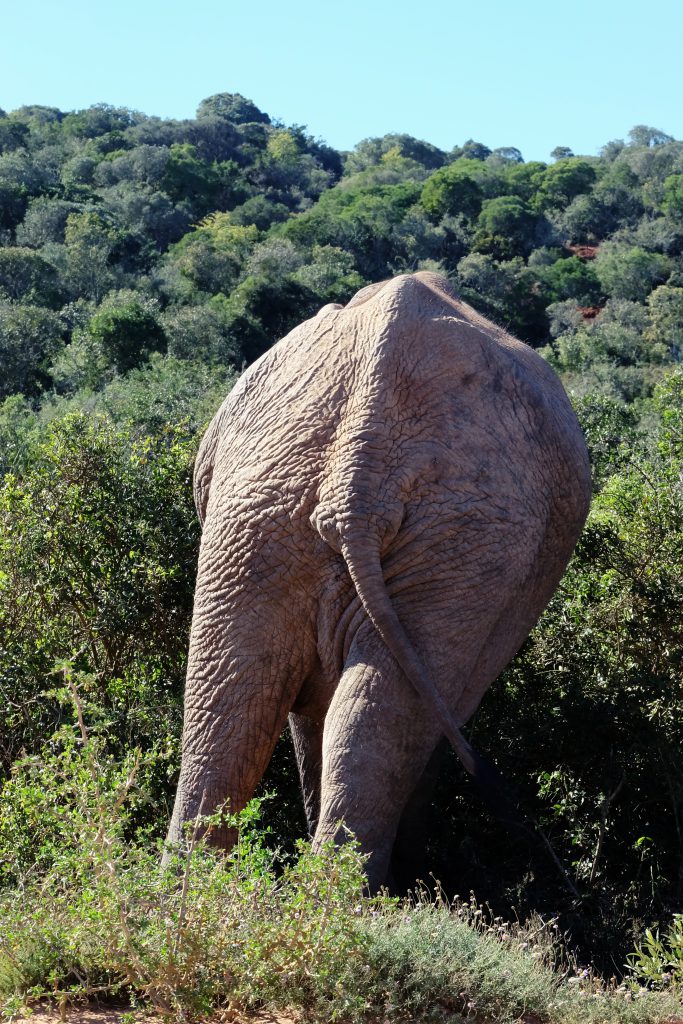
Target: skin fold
(389,497)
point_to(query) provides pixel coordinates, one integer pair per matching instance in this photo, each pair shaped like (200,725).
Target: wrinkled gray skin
(389,497)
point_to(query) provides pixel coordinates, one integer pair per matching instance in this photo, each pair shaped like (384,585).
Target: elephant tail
(362,558)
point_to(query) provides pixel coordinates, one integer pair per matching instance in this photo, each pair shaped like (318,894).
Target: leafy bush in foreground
(97,554)
(239,932)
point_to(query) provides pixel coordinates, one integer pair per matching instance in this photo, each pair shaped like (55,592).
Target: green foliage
(88,247)
(110,524)
(106,198)
(99,915)
(233,107)
(330,275)
(44,222)
(102,911)
(610,430)
(127,331)
(643,135)
(362,220)
(505,227)
(187,177)
(672,203)
(658,962)
(164,391)
(629,273)
(259,310)
(452,190)
(562,181)
(373,152)
(24,275)
(18,429)
(665,314)
(200,332)
(212,255)
(572,278)
(505,290)
(617,345)
(29,336)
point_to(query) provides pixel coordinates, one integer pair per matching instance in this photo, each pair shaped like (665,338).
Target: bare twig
(607,802)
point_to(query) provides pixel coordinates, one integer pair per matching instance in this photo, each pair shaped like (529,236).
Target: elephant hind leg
(377,741)
(241,685)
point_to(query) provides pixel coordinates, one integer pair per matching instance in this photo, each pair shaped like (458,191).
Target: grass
(100,916)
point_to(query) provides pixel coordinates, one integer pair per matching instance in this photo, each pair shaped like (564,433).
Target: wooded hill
(144,262)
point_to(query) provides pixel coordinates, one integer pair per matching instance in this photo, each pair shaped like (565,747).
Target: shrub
(98,547)
(238,932)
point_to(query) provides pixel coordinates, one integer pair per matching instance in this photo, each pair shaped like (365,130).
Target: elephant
(389,497)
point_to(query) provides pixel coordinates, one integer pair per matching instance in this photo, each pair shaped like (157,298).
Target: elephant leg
(307,736)
(243,678)
(377,741)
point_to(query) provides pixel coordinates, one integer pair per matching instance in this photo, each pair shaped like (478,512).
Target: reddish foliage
(584,252)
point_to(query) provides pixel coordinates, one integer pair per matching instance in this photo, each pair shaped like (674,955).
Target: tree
(564,180)
(18,432)
(570,278)
(97,557)
(233,107)
(629,273)
(361,220)
(451,190)
(561,153)
(585,221)
(274,260)
(45,221)
(127,330)
(145,164)
(13,135)
(331,274)
(672,203)
(259,312)
(665,315)
(151,222)
(287,173)
(29,336)
(505,227)
(505,155)
(27,276)
(166,390)
(507,291)
(643,135)
(13,201)
(188,178)
(371,152)
(88,246)
(521,179)
(99,120)
(201,334)
(260,212)
(213,256)
(472,150)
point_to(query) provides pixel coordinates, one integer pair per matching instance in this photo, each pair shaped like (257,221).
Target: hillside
(143,264)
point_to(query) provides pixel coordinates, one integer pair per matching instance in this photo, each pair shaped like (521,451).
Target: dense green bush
(205,932)
(98,546)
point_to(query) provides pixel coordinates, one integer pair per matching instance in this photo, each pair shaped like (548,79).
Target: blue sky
(528,74)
